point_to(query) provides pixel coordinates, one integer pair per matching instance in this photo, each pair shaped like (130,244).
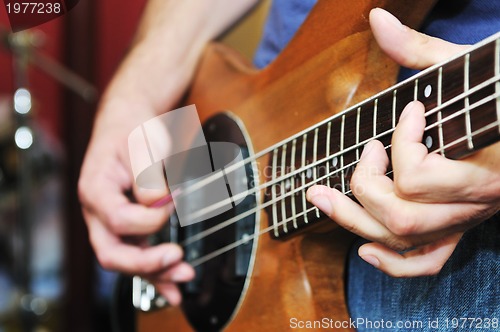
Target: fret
(375,117)
(328,137)
(497,73)
(415,90)
(342,174)
(283,188)
(475,133)
(394,102)
(303,176)
(315,158)
(273,192)
(358,120)
(292,180)
(482,70)
(468,125)
(440,113)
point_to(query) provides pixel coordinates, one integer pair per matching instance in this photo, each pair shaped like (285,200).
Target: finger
(129,218)
(149,196)
(166,281)
(170,292)
(102,195)
(114,254)
(402,217)
(372,166)
(136,219)
(418,175)
(423,261)
(399,233)
(409,155)
(372,188)
(486,176)
(178,272)
(406,46)
(115,210)
(353,217)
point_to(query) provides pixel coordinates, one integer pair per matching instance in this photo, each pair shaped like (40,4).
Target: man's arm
(432,200)
(154,75)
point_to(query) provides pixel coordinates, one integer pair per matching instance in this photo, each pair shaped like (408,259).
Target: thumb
(406,46)
(422,261)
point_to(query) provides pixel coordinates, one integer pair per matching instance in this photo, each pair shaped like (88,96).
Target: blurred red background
(90,40)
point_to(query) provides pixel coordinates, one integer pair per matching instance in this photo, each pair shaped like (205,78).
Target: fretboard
(462,102)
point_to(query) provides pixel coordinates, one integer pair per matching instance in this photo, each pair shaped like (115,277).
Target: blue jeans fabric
(468,286)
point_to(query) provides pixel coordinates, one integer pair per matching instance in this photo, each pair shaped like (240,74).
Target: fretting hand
(432,200)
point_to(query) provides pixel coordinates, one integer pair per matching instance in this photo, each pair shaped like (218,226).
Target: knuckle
(407,186)
(400,224)
(114,222)
(105,259)
(398,244)
(357,184)
(399,228)
(351,228)
(144,267)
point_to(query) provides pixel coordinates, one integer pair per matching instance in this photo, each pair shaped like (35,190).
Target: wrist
(149,78)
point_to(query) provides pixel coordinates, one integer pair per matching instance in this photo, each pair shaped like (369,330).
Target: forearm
(170,39)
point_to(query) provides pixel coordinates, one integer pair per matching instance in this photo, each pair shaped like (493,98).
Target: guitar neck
(462,102)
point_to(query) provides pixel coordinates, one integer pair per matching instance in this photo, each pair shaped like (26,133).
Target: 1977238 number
(472,323)
(34,8)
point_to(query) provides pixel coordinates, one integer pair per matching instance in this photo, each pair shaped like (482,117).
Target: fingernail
(322,203)
(407,110)
(366,149)
(180,276)
(166,199)
(372,260)
(171,257)
(162,201)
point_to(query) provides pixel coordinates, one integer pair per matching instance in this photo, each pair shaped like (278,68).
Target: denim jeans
(464,296)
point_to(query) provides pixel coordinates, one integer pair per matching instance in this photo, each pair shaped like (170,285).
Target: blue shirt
(458,21)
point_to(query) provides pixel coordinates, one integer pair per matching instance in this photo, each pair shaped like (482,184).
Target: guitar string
(231,168)
(393,89)
(200,184)
(277,145)
(228,222)
(246,239)
(312,165)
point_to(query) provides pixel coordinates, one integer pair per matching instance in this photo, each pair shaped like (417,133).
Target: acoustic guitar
(274,259)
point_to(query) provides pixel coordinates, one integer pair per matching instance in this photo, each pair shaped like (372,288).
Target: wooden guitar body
(333,62)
